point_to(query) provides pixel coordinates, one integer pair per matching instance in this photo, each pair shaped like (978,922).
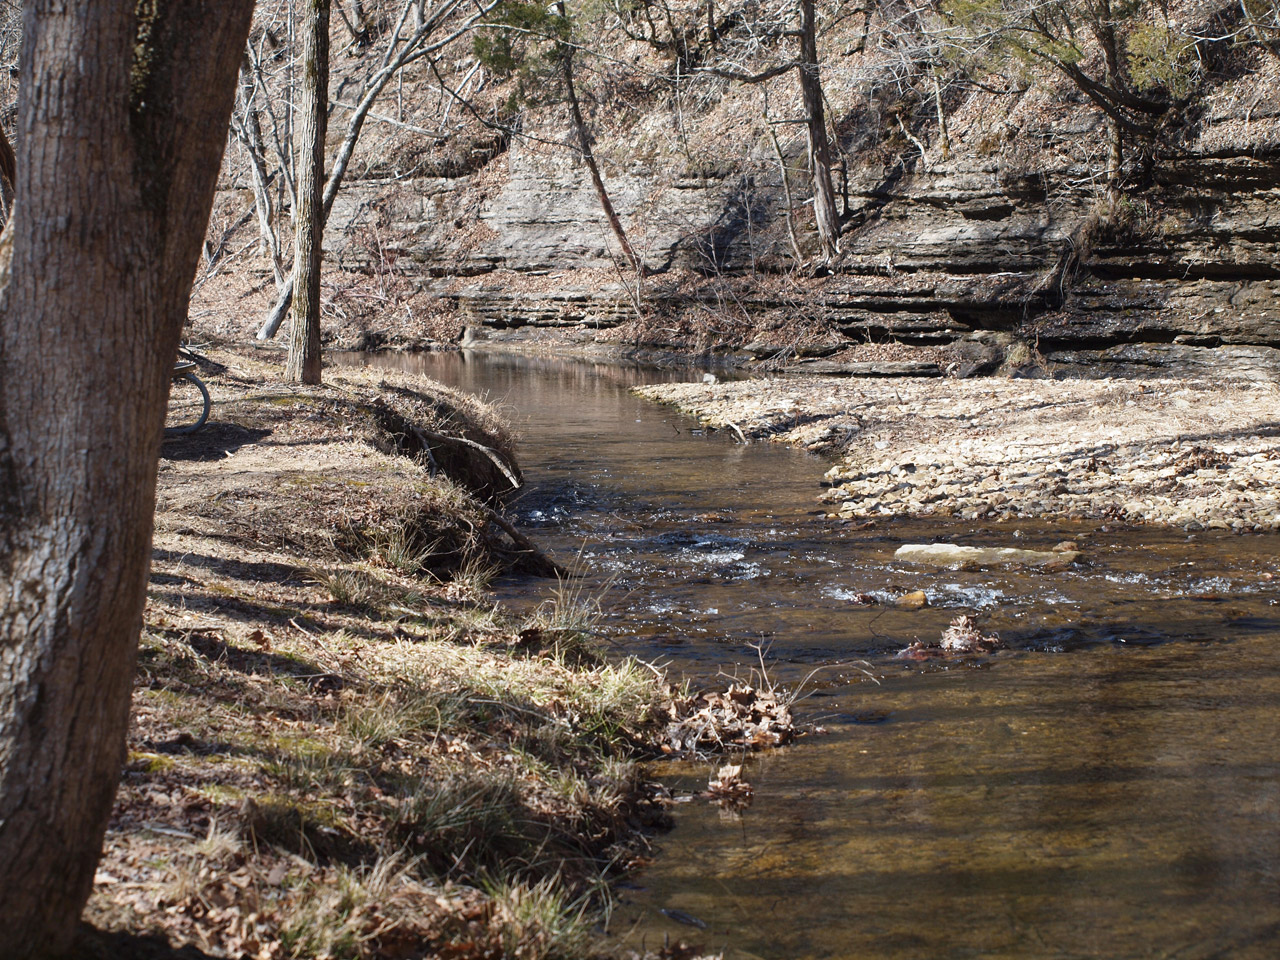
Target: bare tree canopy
(417,31)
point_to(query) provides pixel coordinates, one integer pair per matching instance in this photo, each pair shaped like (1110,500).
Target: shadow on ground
(95,944)
(214,442)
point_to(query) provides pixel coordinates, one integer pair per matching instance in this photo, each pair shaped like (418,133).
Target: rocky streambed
(1189,453)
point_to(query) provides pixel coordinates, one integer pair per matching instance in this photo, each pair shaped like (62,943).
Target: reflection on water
(1102,788)
(1112,803)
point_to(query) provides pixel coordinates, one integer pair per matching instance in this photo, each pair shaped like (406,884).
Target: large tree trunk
(304,339)
(122,121)
(825,216)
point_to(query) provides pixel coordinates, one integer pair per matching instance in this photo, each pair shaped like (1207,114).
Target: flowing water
(1104,786)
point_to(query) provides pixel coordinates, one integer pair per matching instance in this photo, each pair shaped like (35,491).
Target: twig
(379,118)
(918,144)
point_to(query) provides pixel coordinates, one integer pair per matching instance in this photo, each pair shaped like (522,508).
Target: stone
(871,368)
(915,600)
(950,554)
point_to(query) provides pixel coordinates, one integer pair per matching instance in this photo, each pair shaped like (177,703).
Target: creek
(1106,785)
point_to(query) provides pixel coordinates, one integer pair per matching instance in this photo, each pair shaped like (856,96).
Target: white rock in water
(950,554)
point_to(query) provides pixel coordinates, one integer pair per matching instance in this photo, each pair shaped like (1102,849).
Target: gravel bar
(1187,453)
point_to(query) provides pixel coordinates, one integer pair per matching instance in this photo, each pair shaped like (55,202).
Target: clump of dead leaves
(728,790)
(961,638)
(742,717)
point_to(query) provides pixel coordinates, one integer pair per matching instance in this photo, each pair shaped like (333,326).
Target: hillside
(992,237)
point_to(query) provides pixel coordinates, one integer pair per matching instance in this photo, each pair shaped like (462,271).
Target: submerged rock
(914,600)
(950,554)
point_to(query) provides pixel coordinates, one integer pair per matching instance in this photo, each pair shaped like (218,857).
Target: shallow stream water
(1107,785)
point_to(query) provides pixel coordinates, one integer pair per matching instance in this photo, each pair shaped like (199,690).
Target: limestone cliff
(989,241)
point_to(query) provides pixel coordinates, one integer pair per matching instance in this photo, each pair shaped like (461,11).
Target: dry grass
(339,748)
(394,763)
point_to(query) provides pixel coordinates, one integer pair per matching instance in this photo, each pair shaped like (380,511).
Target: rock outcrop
(995,245)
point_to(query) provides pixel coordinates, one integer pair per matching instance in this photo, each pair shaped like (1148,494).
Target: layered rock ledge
(1193,454)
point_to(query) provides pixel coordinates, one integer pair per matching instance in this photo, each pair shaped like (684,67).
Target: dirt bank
(339,747)
(1185,453)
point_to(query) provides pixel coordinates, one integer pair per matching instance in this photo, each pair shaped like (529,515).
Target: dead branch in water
(535,561)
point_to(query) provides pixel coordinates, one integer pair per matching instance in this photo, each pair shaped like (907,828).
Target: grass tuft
(539,921)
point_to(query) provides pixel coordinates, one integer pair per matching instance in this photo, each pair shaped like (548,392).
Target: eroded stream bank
(1102,786)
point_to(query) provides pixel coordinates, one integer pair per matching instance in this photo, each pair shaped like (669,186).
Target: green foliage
(523,41)
(1160,57)
(1148,53)
(994,35)
(1125,55)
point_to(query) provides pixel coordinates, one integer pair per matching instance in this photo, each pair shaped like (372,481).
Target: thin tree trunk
(8,177)
(304,340)
(944,135)
(786,192)
(248,131)
(825,215)
(284,300)
(588,157)
(356,28)
(412,48)
(1105,31)
(342,159)
(122,126)
(1115,159)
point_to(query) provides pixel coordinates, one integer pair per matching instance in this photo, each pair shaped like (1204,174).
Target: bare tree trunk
(284,300)
(413,48)
(8,177)
(1105,32)
(304,340)
(789,210)
(1115,160)
(248,130)
(825,215)
(122,124)
(589,158)
(944,135)
(583,136)
(356,28)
